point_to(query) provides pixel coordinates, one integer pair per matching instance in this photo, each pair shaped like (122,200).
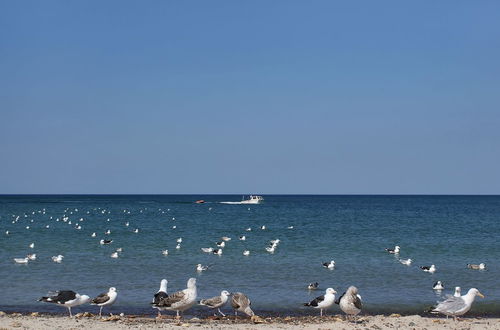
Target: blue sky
(326,97)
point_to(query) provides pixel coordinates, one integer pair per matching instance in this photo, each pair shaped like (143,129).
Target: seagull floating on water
(329,265)
(67,299)
(217,251)
(429,269)
(246,253)
(105,241)
(323,302)
(457,306)
(21,260)
(438,286)
(406,262)
(105,299)
(207,250)
(242,238)
(179,240)
(240,302)
(59,258)
(458,292)
(481,266)
(394,251)
(32,245)
(164,252)
(31,256)
(216,302)
(313,286)
(221,244)
(226,239)
(200,268)
(114,255)
(350,302)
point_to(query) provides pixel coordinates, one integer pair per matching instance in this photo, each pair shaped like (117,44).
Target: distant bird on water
(481,266)
(350,302)
(329,265)
(395,250)
(438,286)
(216,302)
(313,286)
(457,306)
(323,302)
(406,262)
(429,269)
(67,299)
(105,299)
(240,302)
(458,292)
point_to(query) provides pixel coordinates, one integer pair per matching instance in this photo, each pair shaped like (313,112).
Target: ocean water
(448,231)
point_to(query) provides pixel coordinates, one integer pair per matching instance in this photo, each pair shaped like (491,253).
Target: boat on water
(252,199)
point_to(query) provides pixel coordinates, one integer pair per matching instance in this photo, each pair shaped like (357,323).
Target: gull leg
(221,312)
(69,309)
(321,312)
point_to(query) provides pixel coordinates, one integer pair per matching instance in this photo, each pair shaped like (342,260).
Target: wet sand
(90,321)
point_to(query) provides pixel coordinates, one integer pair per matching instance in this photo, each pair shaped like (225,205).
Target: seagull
(181,300)
(105,299)
(406,262)
(164,252)
(263,227)
(32,245)
(93,235)
(59,258)
(350,301)
(329,265)
(481,266)
(119,249)
(240,302)
(428,269)
(246,253)
(216,302)
(161,294)
(313,286)
(207,250)
(271,249)
(21,260)
(178,246)
(200,268)
(67,299)
(457,306)
(217,251)
(243,238)
(323,302)
(31,256)
(458,292)
(394,251)
(221,244)
(275,241)
(438,286)
(107,232)
(249,229)
(114,255)
(289,227)
(136,230)
(225,239)
(127,224)
(105,241)
(179,240)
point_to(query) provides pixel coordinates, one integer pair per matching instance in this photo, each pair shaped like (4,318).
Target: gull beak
(480,294)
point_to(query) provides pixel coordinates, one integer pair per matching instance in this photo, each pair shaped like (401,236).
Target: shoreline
(87,320)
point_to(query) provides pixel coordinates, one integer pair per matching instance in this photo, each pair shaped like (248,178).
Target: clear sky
(326,97)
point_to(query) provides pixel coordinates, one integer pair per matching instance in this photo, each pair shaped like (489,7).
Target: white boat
(253,199)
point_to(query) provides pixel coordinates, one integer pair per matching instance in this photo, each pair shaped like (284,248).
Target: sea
(353,230)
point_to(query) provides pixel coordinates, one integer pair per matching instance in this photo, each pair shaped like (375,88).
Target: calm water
(448,231)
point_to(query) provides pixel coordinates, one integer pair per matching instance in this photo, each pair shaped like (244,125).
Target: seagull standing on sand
(431,269)
(240,302)
(216,302)
(181,300)
(67,299)
(350,302)
(457,306)
(161,294)
(105,299)
(323,302)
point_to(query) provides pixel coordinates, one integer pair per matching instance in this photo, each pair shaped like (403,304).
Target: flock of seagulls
(349,302)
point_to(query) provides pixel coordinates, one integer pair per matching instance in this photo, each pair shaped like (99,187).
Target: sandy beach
(90,321)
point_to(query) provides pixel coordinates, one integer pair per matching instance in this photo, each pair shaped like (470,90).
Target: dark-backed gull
(323,302)
(67,299)
(105,299)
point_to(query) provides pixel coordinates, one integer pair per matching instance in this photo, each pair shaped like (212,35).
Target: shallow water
(448,231)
